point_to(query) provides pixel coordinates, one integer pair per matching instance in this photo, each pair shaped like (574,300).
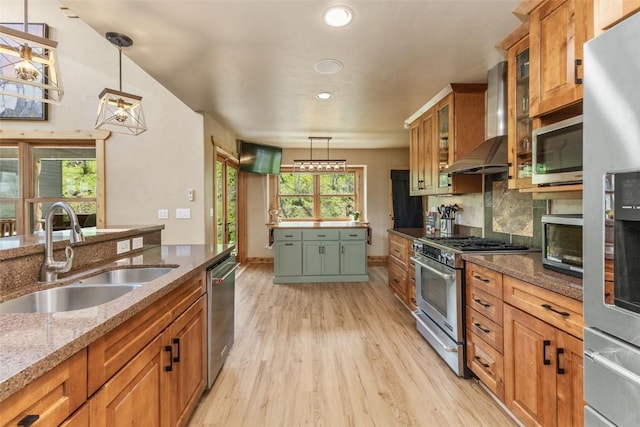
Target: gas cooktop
(468,243)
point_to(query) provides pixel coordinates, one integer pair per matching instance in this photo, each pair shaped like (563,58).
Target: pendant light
(119,111)
(29,60)
(319,166)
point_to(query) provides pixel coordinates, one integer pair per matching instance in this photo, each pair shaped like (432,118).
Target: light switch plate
(163,213)
(123,246)
(184,213)
(137,243)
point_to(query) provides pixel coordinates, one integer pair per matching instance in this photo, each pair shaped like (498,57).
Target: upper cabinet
(610,12)
(557,31)
(451,127)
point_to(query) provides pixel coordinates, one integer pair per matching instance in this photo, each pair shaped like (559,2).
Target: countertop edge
(24,375)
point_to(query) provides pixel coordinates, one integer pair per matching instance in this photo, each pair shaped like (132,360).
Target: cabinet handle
(288,244)
(169,349)
(421,184)
(545,344)
(549,308)
(322,235)
(288,235)
(353,235)
(176,341)
(479,360)
(342,249)
(484,304)
(479,326)
(475,276)
(559,370)
(577,63)
(28,420)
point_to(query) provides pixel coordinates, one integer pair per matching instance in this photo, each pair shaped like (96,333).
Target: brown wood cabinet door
(610,12)
(569,359)
(558,29)
(187,337)
(415,154)
(529,363)
(134,395)
(428,147)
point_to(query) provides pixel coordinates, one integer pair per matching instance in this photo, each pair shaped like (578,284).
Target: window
(35,173)
(318,197)
(226,199)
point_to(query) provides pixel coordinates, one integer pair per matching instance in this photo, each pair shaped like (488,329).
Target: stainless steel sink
(121,276)
(65,298)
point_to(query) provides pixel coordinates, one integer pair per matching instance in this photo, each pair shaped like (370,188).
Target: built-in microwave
(557,153)
(562,243)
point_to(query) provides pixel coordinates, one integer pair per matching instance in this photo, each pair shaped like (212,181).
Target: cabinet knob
(27,420)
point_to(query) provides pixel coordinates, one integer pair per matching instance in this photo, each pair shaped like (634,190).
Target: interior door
(226,200)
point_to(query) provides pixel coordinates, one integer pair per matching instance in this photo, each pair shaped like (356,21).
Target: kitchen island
(333,251)
(31,345)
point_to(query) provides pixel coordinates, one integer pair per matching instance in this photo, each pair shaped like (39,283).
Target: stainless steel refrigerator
(611,206)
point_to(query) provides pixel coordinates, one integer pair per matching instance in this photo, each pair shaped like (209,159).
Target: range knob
(447,258)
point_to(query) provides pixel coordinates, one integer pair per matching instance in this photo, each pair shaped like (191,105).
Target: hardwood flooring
(335,354)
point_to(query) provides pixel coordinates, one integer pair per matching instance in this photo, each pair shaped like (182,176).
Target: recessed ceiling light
(324,96)
(328,66)
(338,16)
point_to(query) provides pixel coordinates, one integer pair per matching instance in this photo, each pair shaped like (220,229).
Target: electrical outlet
(211,212)
(190,194)
(137,243)
(184,213)
(163,213)
(123,246)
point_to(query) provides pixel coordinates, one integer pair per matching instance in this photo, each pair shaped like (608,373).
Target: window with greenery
(226,199)
(318,197)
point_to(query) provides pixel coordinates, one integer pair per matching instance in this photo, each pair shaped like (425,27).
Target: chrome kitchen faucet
(50,267)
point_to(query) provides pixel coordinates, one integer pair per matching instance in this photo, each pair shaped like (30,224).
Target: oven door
(436,294)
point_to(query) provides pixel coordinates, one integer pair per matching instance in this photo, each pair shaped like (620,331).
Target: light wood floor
(335,354)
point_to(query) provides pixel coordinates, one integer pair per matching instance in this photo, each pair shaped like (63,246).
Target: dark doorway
(407,210)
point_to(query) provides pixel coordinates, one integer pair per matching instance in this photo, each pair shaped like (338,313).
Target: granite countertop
(32,344)
(319,224)
(528,268)
(408,232)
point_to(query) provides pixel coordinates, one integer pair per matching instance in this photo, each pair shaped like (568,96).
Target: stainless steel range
(440,291)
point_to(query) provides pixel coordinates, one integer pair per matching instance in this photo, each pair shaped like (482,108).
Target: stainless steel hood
(492,155)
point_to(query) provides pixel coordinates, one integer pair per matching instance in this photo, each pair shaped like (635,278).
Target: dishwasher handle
(220,274)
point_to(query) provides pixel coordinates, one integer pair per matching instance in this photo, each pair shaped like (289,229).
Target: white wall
(145,172)
(378,164)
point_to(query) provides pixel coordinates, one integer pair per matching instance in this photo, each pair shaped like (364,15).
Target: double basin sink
(84,293)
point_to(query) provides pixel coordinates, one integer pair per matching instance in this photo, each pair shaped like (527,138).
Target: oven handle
(599,359)
(445,347)
(441,270)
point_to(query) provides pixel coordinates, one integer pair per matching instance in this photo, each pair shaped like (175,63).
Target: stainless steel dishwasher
(221,281)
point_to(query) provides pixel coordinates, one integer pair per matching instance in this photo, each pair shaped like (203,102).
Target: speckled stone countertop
(32,344)
(528,268)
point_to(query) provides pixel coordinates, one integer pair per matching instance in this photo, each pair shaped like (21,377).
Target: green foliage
(295,183)
(296,195)
(343,183)
(79,181)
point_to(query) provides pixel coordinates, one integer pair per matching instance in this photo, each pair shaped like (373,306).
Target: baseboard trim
(260,260)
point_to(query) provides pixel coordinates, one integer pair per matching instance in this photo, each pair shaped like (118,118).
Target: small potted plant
(354,216)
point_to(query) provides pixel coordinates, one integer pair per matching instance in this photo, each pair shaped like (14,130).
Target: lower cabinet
(320,255)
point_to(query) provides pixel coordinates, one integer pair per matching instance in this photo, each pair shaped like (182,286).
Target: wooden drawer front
(79,419)
(112,351)
(321,234)
(399,249)
(486,329)
(397,278)
(562,312)
(486,363)
(485,304)
(484,279)
(280,235)
(52,397)
(355,234)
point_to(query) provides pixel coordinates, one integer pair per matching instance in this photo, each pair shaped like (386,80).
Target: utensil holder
(446,226)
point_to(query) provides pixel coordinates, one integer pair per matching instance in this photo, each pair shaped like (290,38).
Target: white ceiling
(249,63)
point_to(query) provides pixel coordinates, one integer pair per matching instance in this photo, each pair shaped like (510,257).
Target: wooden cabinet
(402,270)
(320,255)
(50,399)
(451,127)
(557,31)
(610,12)
(524,343)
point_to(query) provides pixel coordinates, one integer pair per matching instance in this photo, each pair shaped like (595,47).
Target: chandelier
(29,63)
(119,111)
(319,165)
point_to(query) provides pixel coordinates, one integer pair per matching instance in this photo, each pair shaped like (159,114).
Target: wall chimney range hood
(492,155)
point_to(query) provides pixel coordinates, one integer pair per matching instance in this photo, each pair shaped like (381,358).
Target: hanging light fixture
(319,166)
(119,111)
(27,60)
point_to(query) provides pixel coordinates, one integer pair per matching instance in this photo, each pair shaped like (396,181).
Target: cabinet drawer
(486,363)
(484,279)
(562,312)
(332,234)
(486,329)
(355,234)
(485,304)
(281,235)
(399,249)
(52,397)
(397,279)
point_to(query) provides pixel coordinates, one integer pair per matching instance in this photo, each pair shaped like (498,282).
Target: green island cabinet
(320,255)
